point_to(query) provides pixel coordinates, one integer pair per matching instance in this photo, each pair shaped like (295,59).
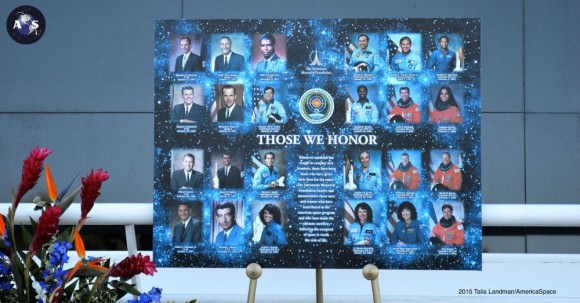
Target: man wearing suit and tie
(188,112)
(271,63)
(228,61)
(229,176)
(188,231)
(188,61)
(186,178)
(232,234)
(232,112)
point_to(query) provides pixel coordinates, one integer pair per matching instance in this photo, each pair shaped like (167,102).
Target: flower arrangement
(37,272)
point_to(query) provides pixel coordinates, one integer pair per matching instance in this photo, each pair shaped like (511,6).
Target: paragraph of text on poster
(316,190)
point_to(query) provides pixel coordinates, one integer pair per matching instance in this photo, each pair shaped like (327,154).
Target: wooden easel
(370,272)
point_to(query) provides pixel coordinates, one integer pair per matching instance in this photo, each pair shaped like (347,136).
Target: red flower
(132,266)
(90,192)
(31,169)
(46,228)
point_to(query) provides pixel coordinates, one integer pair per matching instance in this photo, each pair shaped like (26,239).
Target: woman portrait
(408,229)
(362,231)
(445,109)
(273,233)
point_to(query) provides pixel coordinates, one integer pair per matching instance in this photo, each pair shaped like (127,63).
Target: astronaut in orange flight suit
(449,115)
(406,108)
(448,174)
(445,109)
(449,230)
(407,173)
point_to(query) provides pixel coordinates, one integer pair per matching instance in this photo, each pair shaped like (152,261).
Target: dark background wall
(86,91)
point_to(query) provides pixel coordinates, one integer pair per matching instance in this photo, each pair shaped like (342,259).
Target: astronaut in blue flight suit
(269,110)
(363,231)
(408,229)
(406,60)
(266,176)
(366,178)
(273,233)
(363,58)
(443,59)
(364,111)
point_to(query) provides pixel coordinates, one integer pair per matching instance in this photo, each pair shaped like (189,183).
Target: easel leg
(319,293)
(253,271)
(371,272)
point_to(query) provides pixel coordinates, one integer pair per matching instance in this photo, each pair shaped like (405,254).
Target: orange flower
(79,244)
(83,263)
(50,186)
(2,226)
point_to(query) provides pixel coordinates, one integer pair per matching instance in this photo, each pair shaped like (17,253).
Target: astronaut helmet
(397,185)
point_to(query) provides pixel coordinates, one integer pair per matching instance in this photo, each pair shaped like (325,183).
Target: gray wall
(86,89)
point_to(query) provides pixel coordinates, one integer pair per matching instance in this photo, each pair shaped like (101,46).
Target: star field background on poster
(356,142)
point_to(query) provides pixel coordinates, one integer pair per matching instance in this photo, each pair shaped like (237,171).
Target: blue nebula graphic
(317,53)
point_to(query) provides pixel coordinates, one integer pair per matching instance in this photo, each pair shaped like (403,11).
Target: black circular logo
(25,24)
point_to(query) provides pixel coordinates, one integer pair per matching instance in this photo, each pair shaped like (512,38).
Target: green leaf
(89,272)
(119,293)
(22,256)
(126,287)
(32,223)
(68,200)
(18,272)
(26,236)
(35,271)
(40,204)
(64,234)
(83,291)
(70,289)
